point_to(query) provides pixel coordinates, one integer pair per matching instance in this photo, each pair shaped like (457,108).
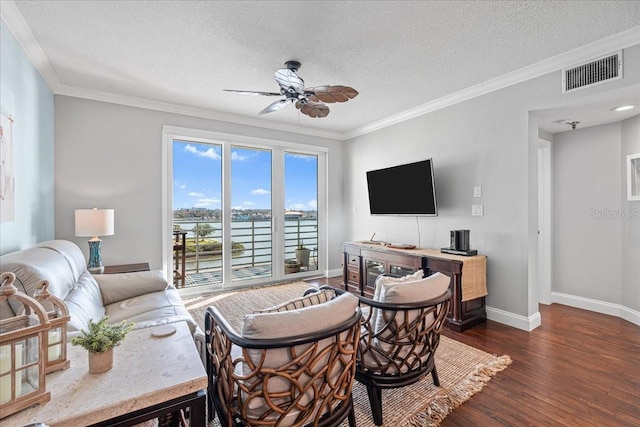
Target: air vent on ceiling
(592,73)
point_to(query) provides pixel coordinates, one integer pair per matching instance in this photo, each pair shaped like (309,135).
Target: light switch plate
(477,210)
(477,191)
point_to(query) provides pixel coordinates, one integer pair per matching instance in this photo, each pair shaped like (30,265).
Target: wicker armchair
(399,340)
(290,378)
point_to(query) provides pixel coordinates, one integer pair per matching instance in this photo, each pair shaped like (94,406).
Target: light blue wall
(26,96)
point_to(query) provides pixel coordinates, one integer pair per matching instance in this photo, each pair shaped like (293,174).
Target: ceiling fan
(309,101)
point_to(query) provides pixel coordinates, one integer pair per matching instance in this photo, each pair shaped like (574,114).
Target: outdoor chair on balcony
(400,333)
(289,366)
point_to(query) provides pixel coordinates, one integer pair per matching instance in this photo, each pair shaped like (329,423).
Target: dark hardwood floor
(579,368)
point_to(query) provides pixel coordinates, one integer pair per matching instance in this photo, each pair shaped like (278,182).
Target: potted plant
(302,254)
(99,340)
(291,266)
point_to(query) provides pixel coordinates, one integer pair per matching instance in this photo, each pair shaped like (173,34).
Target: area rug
(463,370)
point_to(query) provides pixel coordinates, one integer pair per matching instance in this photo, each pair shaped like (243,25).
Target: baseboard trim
(514,320)
(597,306)
(334,273)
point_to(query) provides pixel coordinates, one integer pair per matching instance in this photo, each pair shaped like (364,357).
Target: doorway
(544,222)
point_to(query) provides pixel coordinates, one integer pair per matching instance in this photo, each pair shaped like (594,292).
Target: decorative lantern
(56,338)
(22,355)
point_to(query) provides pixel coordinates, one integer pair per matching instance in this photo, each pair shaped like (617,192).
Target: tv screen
(407,189)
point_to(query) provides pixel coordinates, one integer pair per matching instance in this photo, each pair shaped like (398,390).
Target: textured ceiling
(398,54)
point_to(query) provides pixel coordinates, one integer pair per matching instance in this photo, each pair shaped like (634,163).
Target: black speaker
(460,240)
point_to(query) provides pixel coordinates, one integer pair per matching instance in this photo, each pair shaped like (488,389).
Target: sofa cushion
(84,303)
(35,264)
(119,287)
(71,253)
(151,309)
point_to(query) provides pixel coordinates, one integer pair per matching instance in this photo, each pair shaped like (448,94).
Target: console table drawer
(353,275)
(353,260)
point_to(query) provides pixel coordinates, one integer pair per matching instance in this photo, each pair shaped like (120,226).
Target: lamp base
(95,259)
(96,270)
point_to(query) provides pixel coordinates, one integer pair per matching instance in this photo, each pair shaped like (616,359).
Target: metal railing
(251,241)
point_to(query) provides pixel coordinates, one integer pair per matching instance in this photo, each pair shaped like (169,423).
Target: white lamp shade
(94,222)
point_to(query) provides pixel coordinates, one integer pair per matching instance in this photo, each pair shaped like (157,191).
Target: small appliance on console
(459,244)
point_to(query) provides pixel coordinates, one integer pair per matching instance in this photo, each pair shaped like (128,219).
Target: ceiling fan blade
(275,106)
(313,109)
(253,92)
(331,94)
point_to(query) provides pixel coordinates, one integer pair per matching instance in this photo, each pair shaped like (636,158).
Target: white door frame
(169,133)
(544,221)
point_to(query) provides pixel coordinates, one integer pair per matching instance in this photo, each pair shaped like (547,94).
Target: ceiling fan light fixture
(621,108)
(310,101)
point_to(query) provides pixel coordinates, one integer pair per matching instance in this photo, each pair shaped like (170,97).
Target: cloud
(182,187)
(312,204)
(236,156)
(307,157)
(205,203)
(193,194)
(248,203)
(209,153)
(260,191)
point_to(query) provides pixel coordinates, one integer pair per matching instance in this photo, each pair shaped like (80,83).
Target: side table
(151,377)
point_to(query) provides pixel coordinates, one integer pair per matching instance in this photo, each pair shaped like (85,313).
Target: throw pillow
(304,301)
(119,287)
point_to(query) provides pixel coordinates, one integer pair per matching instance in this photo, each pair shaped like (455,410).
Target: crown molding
(601,47)
(169,107)
(23,34)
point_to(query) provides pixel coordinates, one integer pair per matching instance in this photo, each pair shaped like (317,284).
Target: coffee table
(150,377)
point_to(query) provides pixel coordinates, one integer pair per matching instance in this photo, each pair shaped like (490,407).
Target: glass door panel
(197,203)
(300,212)
(251,214)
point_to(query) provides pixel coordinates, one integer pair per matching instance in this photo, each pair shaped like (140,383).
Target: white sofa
(145,298)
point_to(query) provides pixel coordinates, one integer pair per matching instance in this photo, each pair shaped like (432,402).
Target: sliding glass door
(301,212)
(251,214)
(250,211)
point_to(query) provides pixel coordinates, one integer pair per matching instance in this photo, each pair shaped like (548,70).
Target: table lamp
(94,223)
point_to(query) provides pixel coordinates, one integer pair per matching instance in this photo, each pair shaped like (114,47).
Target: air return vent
(592,73)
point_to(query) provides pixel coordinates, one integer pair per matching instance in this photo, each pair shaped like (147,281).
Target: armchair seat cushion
(151,309)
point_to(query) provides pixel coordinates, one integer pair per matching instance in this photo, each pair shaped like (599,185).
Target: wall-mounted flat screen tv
(407,189)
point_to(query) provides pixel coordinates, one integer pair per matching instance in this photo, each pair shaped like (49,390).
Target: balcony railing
(251,241)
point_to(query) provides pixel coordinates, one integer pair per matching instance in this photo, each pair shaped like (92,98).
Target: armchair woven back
(397,345)
(398,341)
(293,381)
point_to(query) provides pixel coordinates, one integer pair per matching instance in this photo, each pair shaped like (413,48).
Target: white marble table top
(146,371)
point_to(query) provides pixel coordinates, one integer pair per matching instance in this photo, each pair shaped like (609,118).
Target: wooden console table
(150,377)
(363,262)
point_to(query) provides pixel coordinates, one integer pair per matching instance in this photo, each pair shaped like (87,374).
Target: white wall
(630,240)
(109,156)
(488,141)
(587,239)
(25,95)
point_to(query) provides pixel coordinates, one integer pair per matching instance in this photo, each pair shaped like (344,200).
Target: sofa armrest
(119,287)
